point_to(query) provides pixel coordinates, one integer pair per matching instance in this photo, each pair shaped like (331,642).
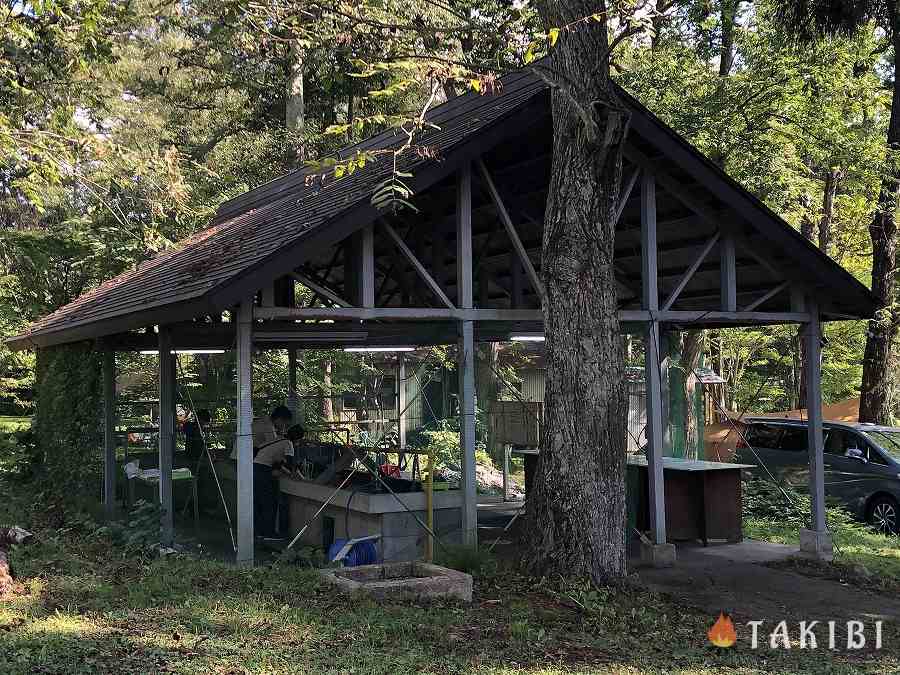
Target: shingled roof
(252,236)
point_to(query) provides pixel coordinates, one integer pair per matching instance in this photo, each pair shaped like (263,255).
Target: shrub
(764,501)
(477,561)
(139,533)
(444,443)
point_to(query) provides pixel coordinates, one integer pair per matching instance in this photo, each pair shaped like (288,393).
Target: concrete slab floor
(734,578)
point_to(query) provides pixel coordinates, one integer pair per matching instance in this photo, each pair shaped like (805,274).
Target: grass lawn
(10,452)
(84,607)
(11,424)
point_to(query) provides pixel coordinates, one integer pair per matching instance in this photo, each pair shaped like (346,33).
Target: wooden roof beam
(417,265)
(517,246)
(689,272)
(320,288)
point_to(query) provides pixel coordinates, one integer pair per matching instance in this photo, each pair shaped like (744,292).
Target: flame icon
(722,633)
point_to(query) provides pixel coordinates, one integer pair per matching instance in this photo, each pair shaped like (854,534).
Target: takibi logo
(831,635)
(722,633)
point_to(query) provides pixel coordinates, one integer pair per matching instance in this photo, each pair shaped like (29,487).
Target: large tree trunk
(327,401)
(832,179)
(487,390)
(295,101)
(808,230)
(691,346)
(728,15)
(577,506)
(877,377)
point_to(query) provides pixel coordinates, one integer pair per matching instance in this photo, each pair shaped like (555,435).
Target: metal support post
(466,365)
(466,354)
(659,552)
(817,540)
(401,400)
(244,435)
(166,435)
(506,450)
(109,433)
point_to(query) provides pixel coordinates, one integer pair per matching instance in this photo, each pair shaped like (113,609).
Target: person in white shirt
(270,450)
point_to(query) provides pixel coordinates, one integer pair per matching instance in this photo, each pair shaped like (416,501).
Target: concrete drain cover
(402,579)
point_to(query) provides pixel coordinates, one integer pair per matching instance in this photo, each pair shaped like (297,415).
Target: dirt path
(733,578)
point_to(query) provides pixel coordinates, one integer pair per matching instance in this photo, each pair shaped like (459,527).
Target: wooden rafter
(704,212)
(728,273)
(650,292)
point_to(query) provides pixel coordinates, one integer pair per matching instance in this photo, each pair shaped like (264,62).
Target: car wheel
(884,515)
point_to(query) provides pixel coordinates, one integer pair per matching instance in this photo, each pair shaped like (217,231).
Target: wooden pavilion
(693,249)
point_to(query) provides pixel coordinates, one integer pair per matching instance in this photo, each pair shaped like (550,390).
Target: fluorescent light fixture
(527,337)
(380,349)
(185,351)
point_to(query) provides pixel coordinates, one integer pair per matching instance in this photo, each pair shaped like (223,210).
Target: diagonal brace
(417,265)
(626,194)
(511,230)
(765,296)
(689,272)
(320,290)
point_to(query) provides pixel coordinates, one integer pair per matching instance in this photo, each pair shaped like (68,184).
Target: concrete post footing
(658,555)
(816,544)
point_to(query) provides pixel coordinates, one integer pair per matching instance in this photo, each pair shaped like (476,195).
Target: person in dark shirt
(195,432)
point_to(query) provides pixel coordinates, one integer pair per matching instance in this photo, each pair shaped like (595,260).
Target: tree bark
(832,179)
(577,507)
(327,402)
(727,14)
(658,20)
(808,230)
(295,101)
(720,365)
(691,346)
(877,377)
(487,389)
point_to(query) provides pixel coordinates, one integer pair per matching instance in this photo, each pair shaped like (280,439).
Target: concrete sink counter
(359,514)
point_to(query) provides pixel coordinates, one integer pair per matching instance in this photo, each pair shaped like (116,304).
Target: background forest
(124,124)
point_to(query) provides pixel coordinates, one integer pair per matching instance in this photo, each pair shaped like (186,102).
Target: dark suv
(862,464)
